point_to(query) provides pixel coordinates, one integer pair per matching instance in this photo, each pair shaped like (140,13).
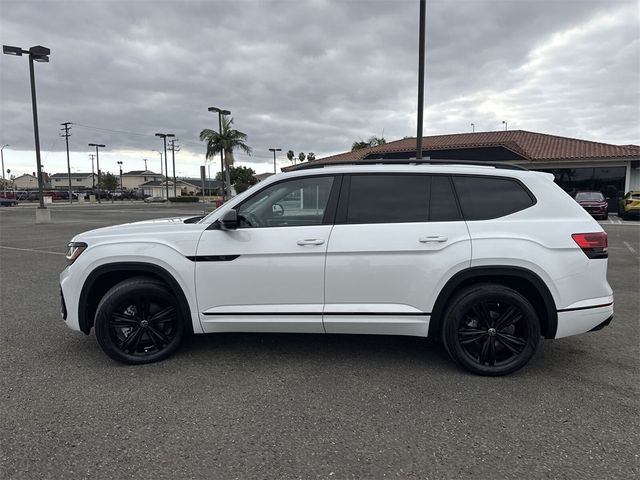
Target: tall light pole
(66,126)
(423,15)
(36,54)
(164,136)
(505,125)
(473,127)
(98,145)
(224,171)
(4,182)
(145,164)
(93,172)
(274,150)
(119,162)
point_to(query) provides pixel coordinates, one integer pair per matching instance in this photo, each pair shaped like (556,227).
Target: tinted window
(443,206)
(291,203)
(388,199)
(482,198)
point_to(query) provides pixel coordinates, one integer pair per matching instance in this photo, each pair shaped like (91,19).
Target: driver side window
(296,202)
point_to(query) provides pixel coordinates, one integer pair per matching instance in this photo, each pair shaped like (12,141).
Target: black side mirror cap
(229,221)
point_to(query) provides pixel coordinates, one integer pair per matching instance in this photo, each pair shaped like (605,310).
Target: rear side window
(482,198)
(399,198)
(388,199)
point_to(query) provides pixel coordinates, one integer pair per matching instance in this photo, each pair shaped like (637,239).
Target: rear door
(397,238)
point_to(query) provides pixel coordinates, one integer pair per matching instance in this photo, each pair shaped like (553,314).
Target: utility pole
(98,164)
(473,127)
(66,127)
(145,164)
(164,136)
(93,173)
(174,148)
(274,150)
(421,47)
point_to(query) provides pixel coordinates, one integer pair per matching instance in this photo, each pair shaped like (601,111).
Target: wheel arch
(524,281)
(102,278)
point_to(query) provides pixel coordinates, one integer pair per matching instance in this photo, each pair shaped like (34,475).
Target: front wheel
(138,321)
(491,330)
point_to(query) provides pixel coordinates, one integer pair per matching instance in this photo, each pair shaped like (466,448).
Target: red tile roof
(534,147)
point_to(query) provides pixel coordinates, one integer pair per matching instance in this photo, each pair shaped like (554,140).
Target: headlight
(74,250)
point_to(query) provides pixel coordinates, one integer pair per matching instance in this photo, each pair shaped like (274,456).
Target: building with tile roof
(577,164)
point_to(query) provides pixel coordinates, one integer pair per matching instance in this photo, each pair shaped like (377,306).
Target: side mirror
(229,220)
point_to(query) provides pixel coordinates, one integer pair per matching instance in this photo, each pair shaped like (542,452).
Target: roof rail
(409,161)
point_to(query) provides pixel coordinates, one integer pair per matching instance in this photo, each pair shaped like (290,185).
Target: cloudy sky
(310,75)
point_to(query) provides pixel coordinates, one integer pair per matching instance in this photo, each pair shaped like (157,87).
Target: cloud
(313,76)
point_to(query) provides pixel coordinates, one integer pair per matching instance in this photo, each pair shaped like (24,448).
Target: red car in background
(594,203)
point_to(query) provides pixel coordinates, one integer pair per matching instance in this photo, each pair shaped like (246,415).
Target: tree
(311,157)
(229,140)
(108,181)
(301,157)
(372,142)
(291,155)
(241,178)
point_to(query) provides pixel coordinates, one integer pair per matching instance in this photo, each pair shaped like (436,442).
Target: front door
(268,275)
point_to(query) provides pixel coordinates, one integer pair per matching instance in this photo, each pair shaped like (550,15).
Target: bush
(184,199)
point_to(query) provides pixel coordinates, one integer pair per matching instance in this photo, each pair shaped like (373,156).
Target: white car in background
(487,258)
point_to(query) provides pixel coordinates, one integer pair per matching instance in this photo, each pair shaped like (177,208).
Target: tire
(139,321)
(475,336)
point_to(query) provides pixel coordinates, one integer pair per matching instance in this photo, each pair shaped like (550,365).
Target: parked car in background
(594,203)
(154,200)
(7,202)
(629,205)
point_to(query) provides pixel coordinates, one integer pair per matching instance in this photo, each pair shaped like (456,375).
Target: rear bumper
(587,318)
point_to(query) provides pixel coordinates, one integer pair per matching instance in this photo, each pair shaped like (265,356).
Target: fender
(487,272)
(86,311)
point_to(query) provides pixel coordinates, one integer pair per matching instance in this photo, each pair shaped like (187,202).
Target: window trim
(345,196)
(329,211)
(533,198)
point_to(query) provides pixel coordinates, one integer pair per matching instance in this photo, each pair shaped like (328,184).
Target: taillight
(594,245)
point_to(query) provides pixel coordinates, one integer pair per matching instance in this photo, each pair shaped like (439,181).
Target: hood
(158,226)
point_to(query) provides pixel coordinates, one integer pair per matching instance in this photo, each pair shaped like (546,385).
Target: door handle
(310,241)
(433,239)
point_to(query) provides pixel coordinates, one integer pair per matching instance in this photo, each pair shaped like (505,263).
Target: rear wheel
(138,321)
(491,330)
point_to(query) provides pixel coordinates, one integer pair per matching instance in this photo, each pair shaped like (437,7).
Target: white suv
(488,258)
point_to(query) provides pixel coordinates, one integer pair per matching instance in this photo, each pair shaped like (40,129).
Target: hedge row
(184,199)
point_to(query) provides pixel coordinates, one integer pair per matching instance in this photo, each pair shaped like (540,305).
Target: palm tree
(291,155)
(230,140)
(311,157)
(301,157)
(372,142)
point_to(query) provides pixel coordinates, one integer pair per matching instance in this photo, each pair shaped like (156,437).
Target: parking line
(32,250)
(631,249)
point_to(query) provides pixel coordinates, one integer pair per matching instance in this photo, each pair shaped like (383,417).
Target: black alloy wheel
(138,321)
(491,330)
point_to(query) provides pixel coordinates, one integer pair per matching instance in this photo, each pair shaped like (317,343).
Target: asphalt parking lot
(300,406)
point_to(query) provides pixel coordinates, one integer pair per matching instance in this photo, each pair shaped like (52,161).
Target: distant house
(194,186)
(26,182)
(576,164)
(134,179)
(262,176)
(78,181)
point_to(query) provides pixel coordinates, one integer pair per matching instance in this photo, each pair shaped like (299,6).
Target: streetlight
(120,163)
(473,127)
(98,145)
(145,164)
(157,151)
(164,136)
(505,125)
(226,180)
(36,54)
(274,150)
(4,182)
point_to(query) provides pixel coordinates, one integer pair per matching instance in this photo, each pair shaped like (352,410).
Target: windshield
(589,196)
